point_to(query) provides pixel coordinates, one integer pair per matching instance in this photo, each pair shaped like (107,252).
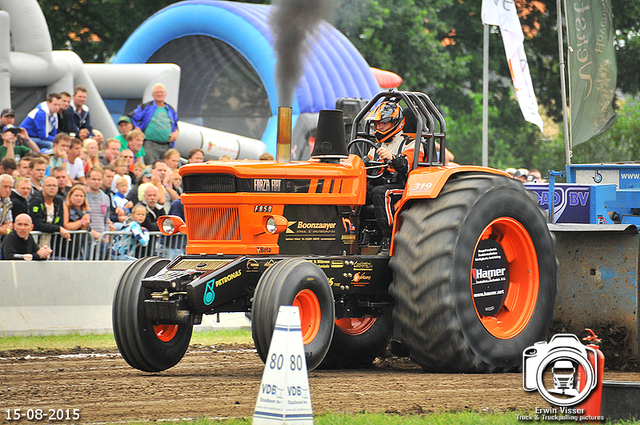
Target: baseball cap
(12,128)
(7,112)
(124,118)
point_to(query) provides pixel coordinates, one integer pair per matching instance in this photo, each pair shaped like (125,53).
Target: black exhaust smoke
(293,22)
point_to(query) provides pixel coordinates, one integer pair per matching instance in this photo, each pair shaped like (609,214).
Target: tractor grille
(209,183)
(214,223)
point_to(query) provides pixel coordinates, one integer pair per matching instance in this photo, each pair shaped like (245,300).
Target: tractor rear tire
(436,248)
(300,283)
(144,345)
(357,342)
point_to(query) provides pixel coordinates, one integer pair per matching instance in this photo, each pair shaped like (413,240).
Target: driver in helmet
(396,151)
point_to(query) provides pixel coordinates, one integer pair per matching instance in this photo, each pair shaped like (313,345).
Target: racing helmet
(387,111)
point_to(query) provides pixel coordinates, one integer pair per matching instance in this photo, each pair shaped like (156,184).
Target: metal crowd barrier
(120,245)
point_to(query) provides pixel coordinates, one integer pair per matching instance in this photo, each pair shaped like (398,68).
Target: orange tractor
(470,281)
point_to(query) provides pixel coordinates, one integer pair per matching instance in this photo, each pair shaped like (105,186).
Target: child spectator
(84,157)
(122,171)
(91,145)
(138,170)
(120,195)
(133,247)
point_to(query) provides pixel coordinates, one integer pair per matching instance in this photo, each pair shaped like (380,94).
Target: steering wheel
(372,164)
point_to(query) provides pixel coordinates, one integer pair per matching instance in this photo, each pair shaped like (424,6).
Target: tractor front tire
(144,345)
(474,276)
(299,283)
(357,342)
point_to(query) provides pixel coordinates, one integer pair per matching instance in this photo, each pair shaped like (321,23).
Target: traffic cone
(284,396)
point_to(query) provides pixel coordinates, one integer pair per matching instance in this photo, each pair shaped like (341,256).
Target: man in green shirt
(9,148)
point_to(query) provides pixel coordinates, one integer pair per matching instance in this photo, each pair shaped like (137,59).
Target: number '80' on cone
(284,396)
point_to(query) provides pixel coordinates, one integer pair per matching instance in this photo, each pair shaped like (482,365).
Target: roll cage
(430,127)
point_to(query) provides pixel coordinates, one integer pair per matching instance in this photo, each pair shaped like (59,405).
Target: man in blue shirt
(159,123)
(42,122)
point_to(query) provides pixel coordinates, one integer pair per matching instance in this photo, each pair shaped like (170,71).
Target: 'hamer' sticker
(489,277)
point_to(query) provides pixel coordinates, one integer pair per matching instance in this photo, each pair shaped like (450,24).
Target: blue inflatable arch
(332,69)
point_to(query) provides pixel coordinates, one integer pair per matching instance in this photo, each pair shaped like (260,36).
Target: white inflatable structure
(33,63)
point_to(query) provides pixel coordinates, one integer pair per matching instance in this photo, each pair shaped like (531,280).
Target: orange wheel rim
(355,325)
(523,284)
(165,333)
(310,314)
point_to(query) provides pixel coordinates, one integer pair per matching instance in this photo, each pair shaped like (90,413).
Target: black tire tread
(279,286)
(133,332)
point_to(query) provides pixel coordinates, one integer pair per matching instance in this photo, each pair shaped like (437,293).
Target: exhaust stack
(283,153)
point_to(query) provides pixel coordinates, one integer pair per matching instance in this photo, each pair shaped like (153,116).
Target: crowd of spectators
(59,175)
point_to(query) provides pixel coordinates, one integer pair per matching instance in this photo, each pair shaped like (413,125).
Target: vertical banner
(592,68)
(503,13)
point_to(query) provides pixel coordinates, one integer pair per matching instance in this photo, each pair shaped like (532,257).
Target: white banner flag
(503,13)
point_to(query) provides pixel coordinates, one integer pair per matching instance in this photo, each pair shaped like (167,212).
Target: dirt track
(225,383)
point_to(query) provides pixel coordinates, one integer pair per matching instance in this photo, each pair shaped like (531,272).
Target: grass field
(458,418)
(107,342)
(243,336)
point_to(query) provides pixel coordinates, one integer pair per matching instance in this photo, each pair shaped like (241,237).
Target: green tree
(620,143)
(446,45)
(96,29)
(435,46)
